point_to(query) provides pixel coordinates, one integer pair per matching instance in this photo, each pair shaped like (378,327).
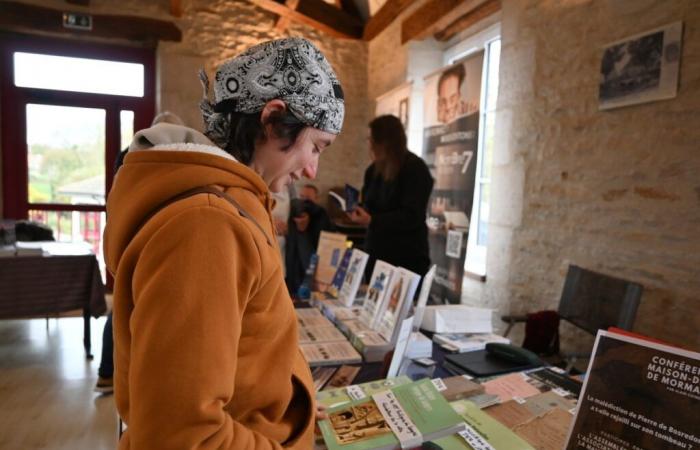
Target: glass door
(70,109)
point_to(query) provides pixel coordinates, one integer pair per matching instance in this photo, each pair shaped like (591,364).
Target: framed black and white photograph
(641,68)
(403,112)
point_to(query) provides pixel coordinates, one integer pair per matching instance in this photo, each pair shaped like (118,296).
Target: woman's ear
(273,106)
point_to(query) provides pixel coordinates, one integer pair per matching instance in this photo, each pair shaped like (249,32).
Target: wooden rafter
(384,17)
(434,16)
(283,21)
(479,13)
(176,8)
(21,17)
(317,14)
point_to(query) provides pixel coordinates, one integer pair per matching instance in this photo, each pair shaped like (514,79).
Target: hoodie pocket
(302,408)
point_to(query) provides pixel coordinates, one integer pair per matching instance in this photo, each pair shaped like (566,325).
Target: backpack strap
(204,190)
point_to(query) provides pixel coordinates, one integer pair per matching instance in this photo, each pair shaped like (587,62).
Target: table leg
(86,333)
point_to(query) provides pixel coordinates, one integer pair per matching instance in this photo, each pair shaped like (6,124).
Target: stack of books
(467,342)
(321,342)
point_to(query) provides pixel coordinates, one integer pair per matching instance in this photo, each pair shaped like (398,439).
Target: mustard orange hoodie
(206,347)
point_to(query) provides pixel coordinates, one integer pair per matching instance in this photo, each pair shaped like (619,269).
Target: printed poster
(638,395)
(450,143)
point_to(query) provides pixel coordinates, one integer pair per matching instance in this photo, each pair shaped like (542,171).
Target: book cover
(457,387)
(340,274)
(352,197)
(340,396)
(307,312)
(482,432)
(343,377)
(548,431)
(556,379)
(508,387)
(353,278)
(331,247)
(319,334)
(376,293)
(638,394)
(313,321)
(321,375)
(330,353)
(401,417)
(395,306)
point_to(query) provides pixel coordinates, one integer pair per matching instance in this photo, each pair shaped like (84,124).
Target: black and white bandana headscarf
(292,70)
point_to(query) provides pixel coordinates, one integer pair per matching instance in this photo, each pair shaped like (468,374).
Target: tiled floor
(46,388)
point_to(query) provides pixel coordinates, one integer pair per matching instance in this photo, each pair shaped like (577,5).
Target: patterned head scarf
(292,70)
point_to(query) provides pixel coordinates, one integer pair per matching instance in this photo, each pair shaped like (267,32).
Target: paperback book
(330,353)
(353,278)
(349,200)
(346,394)
(371,345)
(395,306)
(376,293)
(481,432)
(330,250)
(343,377)
(319,334)
(339,276)
(401,417)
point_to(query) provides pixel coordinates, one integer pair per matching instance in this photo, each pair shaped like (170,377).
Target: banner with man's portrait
(450,143)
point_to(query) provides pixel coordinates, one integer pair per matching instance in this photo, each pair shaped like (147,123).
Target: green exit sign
(77,21)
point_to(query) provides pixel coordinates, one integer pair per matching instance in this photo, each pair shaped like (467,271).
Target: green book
(402,417)
(482,432)
(335,397)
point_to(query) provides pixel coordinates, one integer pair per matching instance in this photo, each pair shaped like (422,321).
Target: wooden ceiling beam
(176,8)
(317,14)
(480,13)
(283,21)
(434,16)
(20,17)
(350,7)
(384,17)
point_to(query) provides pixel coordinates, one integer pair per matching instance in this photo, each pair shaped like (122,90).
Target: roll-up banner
(450,142)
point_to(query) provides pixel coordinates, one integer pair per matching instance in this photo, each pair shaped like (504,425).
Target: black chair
(591,301)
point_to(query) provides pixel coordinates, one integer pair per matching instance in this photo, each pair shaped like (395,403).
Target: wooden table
(65,278)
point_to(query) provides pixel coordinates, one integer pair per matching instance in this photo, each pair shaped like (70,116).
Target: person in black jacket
(395,193)
(306,221)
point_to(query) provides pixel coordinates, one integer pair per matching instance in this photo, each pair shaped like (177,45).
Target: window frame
(14,99)
(475,261)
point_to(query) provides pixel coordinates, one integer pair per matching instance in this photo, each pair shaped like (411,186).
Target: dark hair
(247,129)
(389,139)
(454,71)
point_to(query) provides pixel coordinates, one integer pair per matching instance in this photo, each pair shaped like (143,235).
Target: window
(61,73)
(68,109)
(489,41)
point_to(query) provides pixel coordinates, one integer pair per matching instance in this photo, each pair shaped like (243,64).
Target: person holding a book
(207,352)
(395,193)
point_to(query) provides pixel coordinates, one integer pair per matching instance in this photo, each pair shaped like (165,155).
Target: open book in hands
(350,198)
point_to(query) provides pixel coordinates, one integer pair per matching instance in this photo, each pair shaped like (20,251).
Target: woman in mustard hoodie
(206,350)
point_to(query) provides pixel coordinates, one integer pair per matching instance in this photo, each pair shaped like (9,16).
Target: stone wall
(213,31)
(616,191)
